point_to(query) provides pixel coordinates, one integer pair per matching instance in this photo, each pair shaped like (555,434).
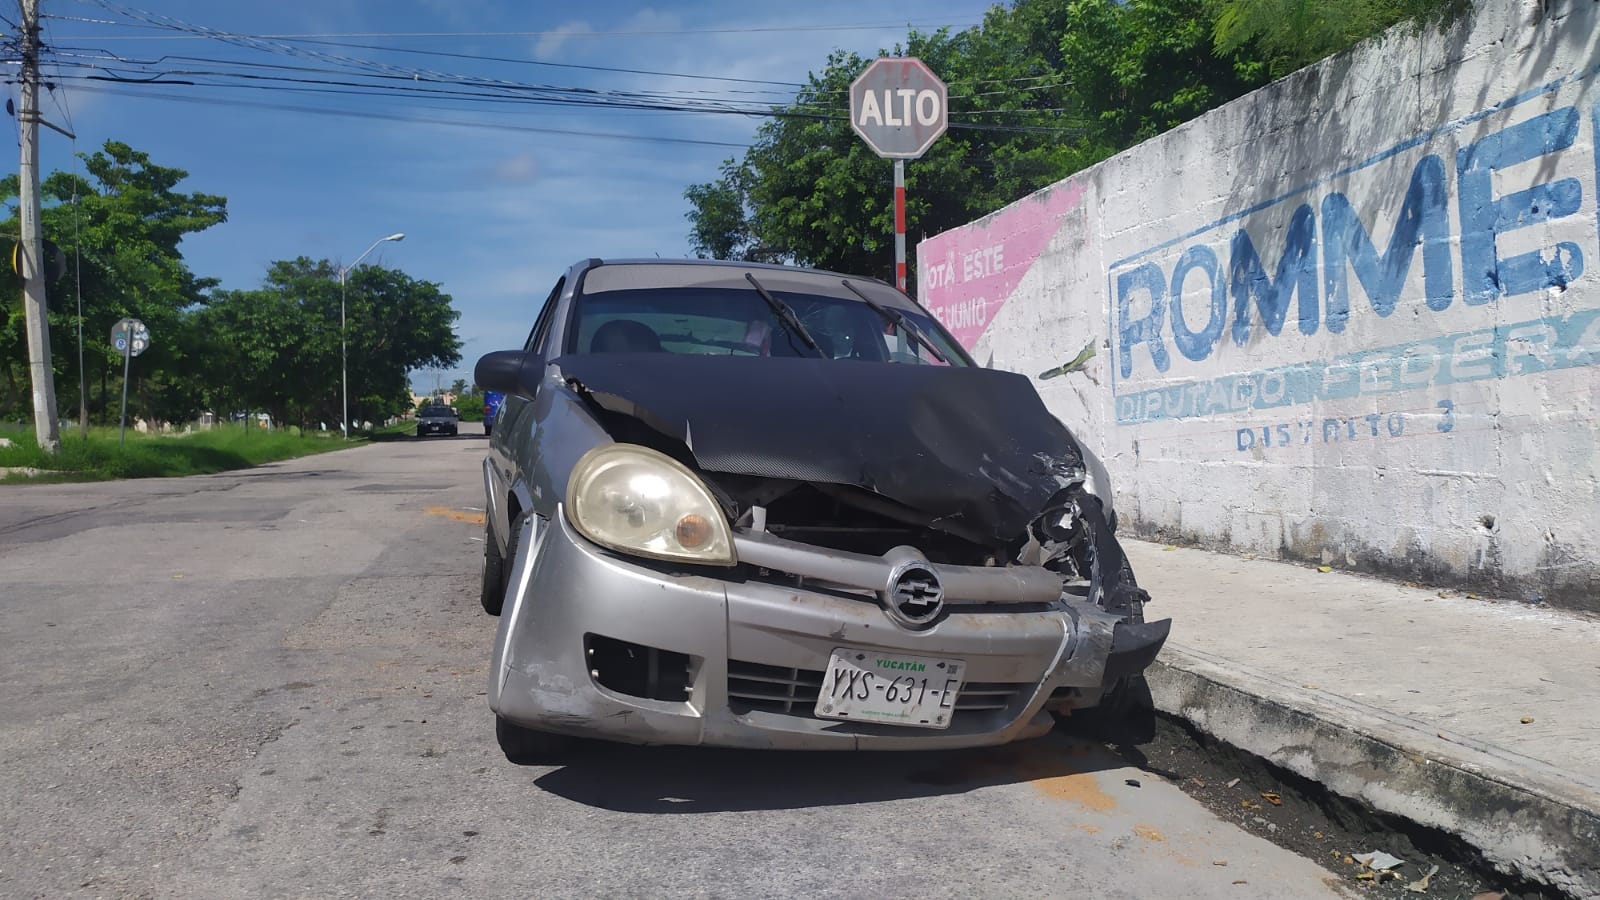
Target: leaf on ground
(1420,886)
(1324,568)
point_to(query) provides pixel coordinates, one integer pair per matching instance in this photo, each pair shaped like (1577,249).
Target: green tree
(1292,34)
(810,191)
(122,224)
(278,347)
(1141,67)
(1040,90)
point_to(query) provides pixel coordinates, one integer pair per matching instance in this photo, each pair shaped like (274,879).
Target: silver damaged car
(772,507)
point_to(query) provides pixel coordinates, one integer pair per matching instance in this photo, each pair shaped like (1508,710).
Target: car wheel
(529,747)
(493,589)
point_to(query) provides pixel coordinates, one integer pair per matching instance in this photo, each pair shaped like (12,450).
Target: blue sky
(493,212)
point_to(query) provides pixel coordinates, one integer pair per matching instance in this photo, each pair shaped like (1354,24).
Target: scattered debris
(1527,720)
(1169,547)
(1132,782)
(1198,782)
(1310,687)
(1378,860)
(1317,835)
(1490,895)
(1233,782)
(1420,886)
(1240,881)
(1272,797)
(1324,568)
(1219,862)
(1249,804)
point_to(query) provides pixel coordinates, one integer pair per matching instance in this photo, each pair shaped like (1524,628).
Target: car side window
(547,315)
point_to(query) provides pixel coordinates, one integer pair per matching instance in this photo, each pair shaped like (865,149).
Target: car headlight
(641,501)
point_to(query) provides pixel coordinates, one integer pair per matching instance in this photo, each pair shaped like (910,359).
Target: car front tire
(493,589)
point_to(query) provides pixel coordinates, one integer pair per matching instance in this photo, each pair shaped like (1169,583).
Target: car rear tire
(529,747)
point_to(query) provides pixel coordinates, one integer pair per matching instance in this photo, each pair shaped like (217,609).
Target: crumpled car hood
(973,449)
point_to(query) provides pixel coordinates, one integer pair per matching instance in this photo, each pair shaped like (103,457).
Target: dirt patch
(1300,815)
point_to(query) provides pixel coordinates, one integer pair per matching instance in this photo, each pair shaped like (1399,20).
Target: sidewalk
(1415,703)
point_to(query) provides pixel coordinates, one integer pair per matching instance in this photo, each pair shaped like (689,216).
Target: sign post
(131,338)
(899,107)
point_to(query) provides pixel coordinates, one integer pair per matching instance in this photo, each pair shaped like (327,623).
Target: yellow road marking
(458,515)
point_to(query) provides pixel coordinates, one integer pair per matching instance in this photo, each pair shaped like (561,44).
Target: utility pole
(46,427)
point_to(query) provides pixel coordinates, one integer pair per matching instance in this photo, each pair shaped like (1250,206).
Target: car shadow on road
(687,780)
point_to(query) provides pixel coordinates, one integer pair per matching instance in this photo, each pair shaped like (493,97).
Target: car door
(512,438)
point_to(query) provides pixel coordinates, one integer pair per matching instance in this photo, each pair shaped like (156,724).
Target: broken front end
(932,567)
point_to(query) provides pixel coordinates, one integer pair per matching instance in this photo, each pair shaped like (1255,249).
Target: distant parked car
(437,419)
(491,409)
(763,506)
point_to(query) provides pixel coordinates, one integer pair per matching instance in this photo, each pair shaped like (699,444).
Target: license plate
(867,686)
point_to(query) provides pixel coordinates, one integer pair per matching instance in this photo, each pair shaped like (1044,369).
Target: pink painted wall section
(965,276)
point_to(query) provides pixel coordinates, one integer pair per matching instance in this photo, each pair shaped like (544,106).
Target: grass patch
(405,428)
(102,458)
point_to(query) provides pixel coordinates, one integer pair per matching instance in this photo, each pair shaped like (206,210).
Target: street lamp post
(344,341)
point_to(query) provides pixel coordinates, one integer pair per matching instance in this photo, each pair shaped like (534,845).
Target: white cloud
(550,43)
(519,169)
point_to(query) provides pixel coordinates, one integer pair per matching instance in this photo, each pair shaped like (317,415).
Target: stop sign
(899,107)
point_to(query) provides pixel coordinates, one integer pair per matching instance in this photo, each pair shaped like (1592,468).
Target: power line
(397,117)
(362,77)
(569,33)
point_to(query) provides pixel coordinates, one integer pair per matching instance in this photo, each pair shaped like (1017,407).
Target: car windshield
(438,411)
(738,322)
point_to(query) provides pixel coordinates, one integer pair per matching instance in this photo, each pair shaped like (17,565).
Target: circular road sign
(130,337)
(899,107)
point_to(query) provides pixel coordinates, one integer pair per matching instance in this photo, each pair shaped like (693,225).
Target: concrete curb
(1525,817)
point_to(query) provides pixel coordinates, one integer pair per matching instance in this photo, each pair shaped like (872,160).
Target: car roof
(634,274)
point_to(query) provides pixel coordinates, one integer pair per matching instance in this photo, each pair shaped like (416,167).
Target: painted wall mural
(1351,318)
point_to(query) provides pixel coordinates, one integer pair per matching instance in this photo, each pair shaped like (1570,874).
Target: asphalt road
(270,684)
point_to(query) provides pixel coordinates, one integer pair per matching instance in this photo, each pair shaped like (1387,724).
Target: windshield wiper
(784,313)
(897,318)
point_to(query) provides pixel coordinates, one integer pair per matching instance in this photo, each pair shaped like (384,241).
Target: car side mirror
(510,372)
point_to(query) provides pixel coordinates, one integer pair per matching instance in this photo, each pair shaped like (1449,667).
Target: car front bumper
(733,657)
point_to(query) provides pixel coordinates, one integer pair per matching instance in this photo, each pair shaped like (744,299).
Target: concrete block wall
(1352,318)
